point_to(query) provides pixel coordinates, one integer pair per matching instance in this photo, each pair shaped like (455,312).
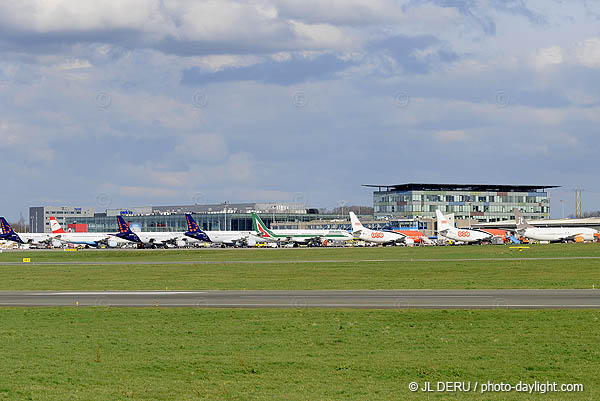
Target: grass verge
(310,269)
(304,354)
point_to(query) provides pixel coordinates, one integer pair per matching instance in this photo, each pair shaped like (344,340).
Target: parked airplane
(460,234)
(36,239)
(194,235)
(149,239)
(230,238)
(552,234)
(90,239)
(379,237)
(307,237)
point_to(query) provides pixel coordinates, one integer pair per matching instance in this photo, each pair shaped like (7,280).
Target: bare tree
(359,210)
(20,226)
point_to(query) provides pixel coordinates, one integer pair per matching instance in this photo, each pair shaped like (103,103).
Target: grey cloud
(293,71)
(518,7)
(350,113)
(403,50)
(470,9)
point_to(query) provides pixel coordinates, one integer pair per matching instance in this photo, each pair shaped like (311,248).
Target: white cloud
(550,55)
(250,141)
(76,15)
(342,11)
(587,52)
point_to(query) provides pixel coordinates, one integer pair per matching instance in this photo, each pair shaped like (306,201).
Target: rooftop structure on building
(479,202)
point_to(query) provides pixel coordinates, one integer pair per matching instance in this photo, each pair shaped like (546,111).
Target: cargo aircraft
(552,234)
(376,236)
(460,234)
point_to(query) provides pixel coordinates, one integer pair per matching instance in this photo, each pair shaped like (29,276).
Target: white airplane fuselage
(180,239)
(35,238)
(231,237)
(93,239)
(465,235)
(559,233)
(305,236)
(378,237)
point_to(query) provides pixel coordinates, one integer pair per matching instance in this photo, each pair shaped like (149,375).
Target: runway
(364,299)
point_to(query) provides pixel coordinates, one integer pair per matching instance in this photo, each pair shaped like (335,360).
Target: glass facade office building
(215,217)
(207,221)
(484,203)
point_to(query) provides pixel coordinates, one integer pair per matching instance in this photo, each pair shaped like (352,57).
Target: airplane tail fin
(123,226)
(8,233)
(194,230)
(356,224)
(55,226)
(6,228)
(191,223)
(520,221)
(442,221)
(260,227)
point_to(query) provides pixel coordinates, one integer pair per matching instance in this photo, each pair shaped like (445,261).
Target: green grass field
(389,253)
(295,354)
(302,354)
(354,268)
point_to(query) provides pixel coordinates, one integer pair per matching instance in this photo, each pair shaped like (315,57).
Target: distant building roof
(461,187)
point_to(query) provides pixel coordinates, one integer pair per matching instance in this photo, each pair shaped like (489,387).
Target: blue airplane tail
(6,228)
(125,231)
(123,225)
(194,230)
(8,233)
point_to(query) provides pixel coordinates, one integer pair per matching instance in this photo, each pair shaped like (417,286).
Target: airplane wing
(570,237)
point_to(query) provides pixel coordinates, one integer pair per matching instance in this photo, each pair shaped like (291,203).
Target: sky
(154,102)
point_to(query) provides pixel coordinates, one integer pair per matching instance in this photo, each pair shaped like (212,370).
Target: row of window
(54,212)
(461,198)
(464,209)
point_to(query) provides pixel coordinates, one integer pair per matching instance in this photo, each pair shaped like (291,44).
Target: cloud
(452,136)
(415,54)
(587,52)
(546,56)
(344,12)
(294,70)
(154,101)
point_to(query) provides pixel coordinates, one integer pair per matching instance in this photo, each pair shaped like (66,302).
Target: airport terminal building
(215,217)
(404,206)
(478,202)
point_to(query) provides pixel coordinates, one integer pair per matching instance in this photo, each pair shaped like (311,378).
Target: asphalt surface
(377,299)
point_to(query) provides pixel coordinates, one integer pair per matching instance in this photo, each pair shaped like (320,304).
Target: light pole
(562,205)
(225,206)
(469,213)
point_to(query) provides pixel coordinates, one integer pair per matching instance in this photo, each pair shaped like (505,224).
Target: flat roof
(462,187)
